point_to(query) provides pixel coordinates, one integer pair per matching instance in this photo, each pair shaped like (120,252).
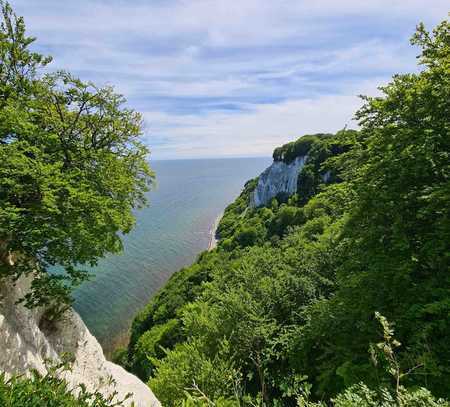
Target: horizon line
(209,158)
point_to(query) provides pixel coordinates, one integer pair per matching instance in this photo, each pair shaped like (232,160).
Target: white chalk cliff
(279,178)
(24,346)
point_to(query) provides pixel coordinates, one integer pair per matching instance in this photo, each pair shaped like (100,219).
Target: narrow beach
(213,238)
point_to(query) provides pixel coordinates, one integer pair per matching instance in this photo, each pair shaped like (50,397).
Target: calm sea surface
(169,234)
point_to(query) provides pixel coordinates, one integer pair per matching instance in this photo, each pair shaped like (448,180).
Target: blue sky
(221,78)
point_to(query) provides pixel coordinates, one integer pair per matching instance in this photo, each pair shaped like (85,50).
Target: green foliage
(247,236)
(235,211)
(289,152)
(152,344)
(183,287)
(396,235)
(361,396)
(187,369)
(282,311)
(203,401)
(317,170)
(286,216)
(60,141)
(248,299)
(50,391)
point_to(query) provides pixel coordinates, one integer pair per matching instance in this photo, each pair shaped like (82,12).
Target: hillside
(330,279)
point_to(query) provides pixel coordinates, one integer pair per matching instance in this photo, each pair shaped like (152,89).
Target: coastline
(122,339)
(213,238)
(169,234)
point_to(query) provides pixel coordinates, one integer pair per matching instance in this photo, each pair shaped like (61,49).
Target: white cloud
(247,22)
(281,68)
(255,132)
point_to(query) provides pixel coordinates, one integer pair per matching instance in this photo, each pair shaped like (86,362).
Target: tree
(398,230)
(72,169)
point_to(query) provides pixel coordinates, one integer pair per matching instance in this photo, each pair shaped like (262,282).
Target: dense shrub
(49,391)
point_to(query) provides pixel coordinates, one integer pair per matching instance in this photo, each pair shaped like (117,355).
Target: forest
(337,295)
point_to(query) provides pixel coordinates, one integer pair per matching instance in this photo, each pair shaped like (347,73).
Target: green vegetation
(51,391)
(72,169)
(290,151)
(292,307)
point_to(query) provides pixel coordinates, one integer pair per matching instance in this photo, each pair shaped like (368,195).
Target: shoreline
(122,340)
(213,237)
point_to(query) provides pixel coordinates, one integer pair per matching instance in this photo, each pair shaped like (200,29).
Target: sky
(227,78)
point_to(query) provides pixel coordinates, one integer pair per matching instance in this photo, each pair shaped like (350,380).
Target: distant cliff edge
(296,166)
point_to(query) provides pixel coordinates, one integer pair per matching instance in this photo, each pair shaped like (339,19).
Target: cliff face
(279,178)
(24,345)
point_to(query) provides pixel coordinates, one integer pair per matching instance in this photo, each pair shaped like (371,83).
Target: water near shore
(169,234)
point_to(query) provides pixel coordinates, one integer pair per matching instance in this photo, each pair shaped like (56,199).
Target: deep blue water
(169,234)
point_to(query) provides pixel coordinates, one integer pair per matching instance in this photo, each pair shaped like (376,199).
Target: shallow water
(169,234)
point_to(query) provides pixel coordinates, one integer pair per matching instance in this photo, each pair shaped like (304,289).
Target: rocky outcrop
(279,178)
(25,345)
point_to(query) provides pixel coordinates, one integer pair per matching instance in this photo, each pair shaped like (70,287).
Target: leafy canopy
(72,168)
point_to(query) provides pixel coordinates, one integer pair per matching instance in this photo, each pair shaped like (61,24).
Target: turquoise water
(169,234)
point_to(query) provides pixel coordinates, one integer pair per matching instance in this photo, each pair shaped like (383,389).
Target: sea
(178,224)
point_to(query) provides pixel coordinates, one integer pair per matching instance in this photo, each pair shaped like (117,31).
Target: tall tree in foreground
(72,169)
(397,238)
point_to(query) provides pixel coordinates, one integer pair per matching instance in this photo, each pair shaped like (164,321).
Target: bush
(49,391)
(152,344)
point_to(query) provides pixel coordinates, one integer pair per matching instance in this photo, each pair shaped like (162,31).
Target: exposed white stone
(24,346)
(326,177)
(277,179)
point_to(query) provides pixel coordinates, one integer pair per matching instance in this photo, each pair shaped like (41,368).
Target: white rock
(277,179)
(24,346)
